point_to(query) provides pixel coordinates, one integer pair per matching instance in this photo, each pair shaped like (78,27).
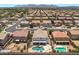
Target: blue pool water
(62,49)
(38,49)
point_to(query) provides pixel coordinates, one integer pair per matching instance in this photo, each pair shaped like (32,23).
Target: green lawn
(1,29)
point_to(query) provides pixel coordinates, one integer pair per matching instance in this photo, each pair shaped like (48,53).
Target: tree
(50,31)
(21,50)
(24,47)
(31,25)
(18,48)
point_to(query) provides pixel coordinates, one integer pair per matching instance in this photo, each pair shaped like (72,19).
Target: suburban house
(40,37)
(61,17)
(68,23)
(13,18)
(76,22)
(74,35)
(60,38)
(24,24)
(4,38)
(47,23)
(21,35)
(69,17)
(36,22)
(57,23)
(75,18)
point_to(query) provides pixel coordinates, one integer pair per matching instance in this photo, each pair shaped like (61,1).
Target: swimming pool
(38,49)
(60,49)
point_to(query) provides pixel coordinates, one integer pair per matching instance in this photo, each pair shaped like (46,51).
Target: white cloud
(39,1)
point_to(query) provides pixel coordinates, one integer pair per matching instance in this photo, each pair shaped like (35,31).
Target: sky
(12,3)
(7,5)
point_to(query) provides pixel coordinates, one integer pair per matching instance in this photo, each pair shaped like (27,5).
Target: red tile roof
(60,36)
(21,33)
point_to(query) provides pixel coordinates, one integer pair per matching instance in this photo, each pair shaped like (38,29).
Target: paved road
(13,27)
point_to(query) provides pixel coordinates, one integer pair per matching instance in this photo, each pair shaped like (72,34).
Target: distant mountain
(70,7)
(37,6)
(47,6)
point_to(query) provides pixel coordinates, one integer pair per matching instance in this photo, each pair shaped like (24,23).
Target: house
(61,14)
(29,18)
(57,23)
(45,17)
(75,18)
(69,17)
(35,23)
(13,19)
(76,14)
(21,35)
(40,37)
(53,18)
(37,18)
(76,22)
(60,38)
(4,38)
(73,34)
(68,23)
(47,23)
(61,17)
(2,24)
(24,24)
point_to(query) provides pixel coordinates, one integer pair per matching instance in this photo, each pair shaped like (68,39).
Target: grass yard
(1,29)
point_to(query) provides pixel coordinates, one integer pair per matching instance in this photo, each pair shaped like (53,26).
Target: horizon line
(60,5)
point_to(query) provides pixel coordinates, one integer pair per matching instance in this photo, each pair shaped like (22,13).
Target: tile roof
(74,32)
(35,21)
(40,34)
(60,36)
(21,33)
